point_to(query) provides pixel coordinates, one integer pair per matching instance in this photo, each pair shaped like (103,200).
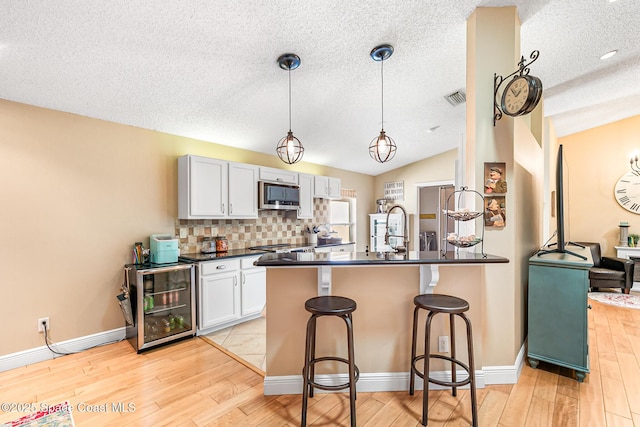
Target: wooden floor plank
(191,383)
(565,412)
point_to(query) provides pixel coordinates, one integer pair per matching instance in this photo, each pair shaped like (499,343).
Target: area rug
(617,299)
(53,416)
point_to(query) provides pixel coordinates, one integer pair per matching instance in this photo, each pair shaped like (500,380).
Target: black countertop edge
(373,258)
(236,253)
(233,253)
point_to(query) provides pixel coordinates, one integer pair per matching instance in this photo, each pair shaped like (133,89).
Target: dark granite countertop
(373,258)
(233,253)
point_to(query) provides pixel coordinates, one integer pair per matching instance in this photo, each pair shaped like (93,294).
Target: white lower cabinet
(253,287)
(230,292)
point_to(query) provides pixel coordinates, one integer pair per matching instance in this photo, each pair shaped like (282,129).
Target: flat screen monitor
(562,205)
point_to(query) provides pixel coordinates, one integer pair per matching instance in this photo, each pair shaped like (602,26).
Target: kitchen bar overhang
(383,286)
(428,262)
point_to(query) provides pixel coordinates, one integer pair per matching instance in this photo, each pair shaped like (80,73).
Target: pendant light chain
(382,97)
(382,148)
(289,148)
(289,98)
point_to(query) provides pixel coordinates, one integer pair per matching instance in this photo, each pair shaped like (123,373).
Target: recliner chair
(609,272)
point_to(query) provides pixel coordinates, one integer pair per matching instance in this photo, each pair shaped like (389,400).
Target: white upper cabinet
(212,188)
(334,188)
(321,186)
(305,181)
(278,175)
(202,187)
(326,187)
(243,190)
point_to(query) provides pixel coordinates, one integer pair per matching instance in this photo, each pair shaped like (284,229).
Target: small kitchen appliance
(382,206)
(164,249)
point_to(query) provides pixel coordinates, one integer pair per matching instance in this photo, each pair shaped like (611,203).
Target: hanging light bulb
(382,148)
(289,148)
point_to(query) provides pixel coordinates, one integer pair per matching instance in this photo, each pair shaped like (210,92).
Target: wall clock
(521,95)
(627,192)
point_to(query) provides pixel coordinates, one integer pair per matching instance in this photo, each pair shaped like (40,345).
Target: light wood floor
(193,383)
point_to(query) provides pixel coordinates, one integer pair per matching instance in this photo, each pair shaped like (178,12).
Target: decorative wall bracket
(523,70)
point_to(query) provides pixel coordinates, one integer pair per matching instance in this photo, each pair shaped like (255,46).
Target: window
(342,218)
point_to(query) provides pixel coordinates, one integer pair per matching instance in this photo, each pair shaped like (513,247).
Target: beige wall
(76,193)
(439,168)
(596,159)
(433,169)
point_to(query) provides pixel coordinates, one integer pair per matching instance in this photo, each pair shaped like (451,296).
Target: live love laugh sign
(394,190)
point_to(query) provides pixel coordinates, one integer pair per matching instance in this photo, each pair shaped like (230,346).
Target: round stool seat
(441,303)
(330,305)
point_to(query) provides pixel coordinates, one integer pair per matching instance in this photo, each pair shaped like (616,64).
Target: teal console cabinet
(558,330)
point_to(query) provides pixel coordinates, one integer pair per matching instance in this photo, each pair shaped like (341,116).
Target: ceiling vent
(456,98)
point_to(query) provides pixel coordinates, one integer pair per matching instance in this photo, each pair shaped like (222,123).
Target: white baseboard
(39,354)
(508,374)
(397,381)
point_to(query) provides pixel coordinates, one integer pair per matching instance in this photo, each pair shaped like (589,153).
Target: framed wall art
(495,178)
(495,212)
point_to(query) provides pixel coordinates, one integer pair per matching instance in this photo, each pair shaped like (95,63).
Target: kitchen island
(383,286)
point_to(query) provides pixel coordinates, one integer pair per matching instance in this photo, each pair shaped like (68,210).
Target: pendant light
(382,148)
(289,149)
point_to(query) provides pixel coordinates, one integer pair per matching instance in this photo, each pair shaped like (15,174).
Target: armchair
(609,272)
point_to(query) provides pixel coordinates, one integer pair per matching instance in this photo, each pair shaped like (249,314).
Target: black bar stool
(453,306)
(328,306)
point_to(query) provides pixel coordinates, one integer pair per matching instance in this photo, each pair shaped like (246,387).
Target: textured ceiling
(207,69)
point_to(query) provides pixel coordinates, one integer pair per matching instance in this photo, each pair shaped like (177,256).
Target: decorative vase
(624,234)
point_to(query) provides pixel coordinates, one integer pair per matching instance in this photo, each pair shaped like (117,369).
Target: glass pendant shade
(382,148)
(290,149)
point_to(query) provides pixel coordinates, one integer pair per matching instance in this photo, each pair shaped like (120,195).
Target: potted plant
(633,240)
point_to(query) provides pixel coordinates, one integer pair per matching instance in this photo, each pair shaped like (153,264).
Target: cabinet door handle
(221,267)
(244,278)
(230,208)
(223,208)
(235,280)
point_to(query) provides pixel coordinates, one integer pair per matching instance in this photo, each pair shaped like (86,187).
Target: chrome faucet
(405,236)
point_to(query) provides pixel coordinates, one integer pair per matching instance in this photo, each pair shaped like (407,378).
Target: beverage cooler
(162,299)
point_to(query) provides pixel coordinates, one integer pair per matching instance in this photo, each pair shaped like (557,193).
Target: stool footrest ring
(336,386)
(460,383)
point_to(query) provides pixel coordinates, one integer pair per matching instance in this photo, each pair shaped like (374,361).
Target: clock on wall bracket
(627,192)
(522,92)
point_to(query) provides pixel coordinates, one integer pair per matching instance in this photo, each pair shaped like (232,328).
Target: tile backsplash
(271,227)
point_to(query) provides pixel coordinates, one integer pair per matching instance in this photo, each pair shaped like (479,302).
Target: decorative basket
(464,243)
(463,215)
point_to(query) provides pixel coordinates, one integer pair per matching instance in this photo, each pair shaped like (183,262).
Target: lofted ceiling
(207,69)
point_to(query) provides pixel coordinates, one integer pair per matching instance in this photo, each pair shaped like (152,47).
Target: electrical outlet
(443,344)
(298,229)
(42,322)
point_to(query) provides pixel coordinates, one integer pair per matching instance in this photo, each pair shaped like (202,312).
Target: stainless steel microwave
(275,195)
